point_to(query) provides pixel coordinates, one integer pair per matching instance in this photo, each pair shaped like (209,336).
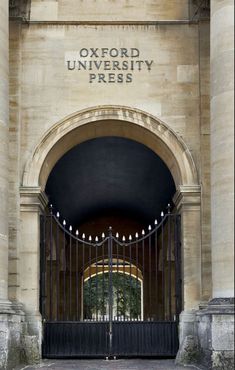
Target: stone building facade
(157,72)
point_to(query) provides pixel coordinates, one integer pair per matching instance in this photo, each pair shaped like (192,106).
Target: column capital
(187,196)
(32,199)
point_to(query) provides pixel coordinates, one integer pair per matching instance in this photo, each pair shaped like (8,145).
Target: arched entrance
(118,122)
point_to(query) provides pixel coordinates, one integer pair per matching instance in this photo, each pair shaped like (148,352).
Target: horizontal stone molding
(32,199)
(6,307)
(188,197)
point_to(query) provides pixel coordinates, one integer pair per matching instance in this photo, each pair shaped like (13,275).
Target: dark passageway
(110,181)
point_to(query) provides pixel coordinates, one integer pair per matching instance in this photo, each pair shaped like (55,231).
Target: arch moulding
(110,121)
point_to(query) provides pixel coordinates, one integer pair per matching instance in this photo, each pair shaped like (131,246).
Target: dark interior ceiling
(110,175)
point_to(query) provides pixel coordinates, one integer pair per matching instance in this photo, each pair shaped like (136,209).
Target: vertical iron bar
(163,275)
(176,265)
(77,282)
(156,266)
(117,280)
(46,302)
(83,277)
(143,261)
(57,272)
(150,279)
(90,281)
(70,276)
(169,265)
(130,277)
(96,284)
(64,276)
(110,253)
(137,272)
(51,281)
(103,296)
(124,280)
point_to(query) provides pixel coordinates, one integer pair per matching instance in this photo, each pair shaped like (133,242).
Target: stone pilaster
(5,306)
(4,141)
(222,147)
(11,316)
(188,203)
(216,322)
(33,202)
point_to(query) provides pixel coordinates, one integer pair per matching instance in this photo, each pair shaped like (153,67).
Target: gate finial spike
(90,238)
(150,227)
(162,214)
(143,232)
(117,235)
(123,238)
(130,237)
(103,235)
(96,238)
(83,236)
(136,235)
(155,222)
(64,222)
(58,214)
(70,228)
(77,232)
(168,208)
(51,208)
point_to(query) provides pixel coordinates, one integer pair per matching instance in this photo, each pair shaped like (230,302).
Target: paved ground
(138,364)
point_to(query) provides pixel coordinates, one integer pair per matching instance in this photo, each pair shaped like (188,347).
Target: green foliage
(123,291)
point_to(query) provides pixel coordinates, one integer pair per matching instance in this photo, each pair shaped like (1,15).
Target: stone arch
(110,121)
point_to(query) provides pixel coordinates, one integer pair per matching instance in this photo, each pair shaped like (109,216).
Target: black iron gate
(112,296)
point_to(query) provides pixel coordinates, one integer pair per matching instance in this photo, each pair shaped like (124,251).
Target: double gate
(113,295)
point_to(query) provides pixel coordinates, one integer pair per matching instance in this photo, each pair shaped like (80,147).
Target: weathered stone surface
(106,10)
(11,330)
(31,350)
(222,136)
(223,360)
(222,332)
(189,352)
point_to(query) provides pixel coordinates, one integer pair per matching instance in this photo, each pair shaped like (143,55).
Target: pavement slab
(130,364)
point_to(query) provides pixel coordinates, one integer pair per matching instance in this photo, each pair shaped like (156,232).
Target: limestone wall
(103,10)
(4,140)
(50,92)
(161,69)
(14,157)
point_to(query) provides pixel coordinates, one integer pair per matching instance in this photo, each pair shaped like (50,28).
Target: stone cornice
(6,307)
(218,306)
(114,22)
(32,199)
(187,196)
